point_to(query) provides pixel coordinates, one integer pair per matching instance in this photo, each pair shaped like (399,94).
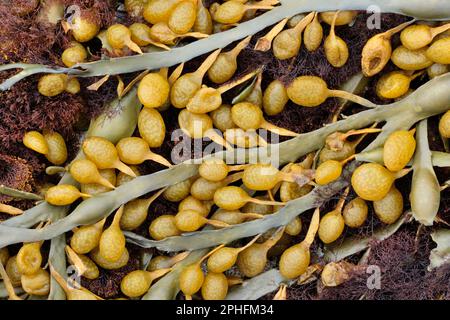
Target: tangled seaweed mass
(189,149)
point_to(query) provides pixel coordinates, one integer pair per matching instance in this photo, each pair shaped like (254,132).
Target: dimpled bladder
(164,262)
(275,98)
(230,198)
(222,118)
(418,36)
(83,264)
(331,226)
(13,271)
(164,226)
(261,176)
(37,284)
(253,259)
(292,190)
(205,100)
(51,85)
(182,17)
(124,178)
(294,227)
(355,213)
(233,198)
(119,36)
(161,33)
(72,85)
(135,213)
(204,189)
(234,217)
(83,29)
(4,255)
(287,43)
(243,138)
(390,207)
(178,191)
(29,258)
(377,51)
(248,116)
(437,69)
(203,22)
(192,277)
(295,260)
(313,34)
(439,51)
(225,66)
(85,171)
(328,171)
(195,125)
(136,283)
(141,35)
(393,85)
(234,11)
(312,91)
(184,89)
(135,8)
(215,286)
(112,241)
(410,60)
(208,99)
(192,203)
(159,10)
(57,149)
(336,50)
(260,208)
(86,238)
(341,17)
(35,141)
(74,54)
(95,188)
(188,84)
(213,170)
(191,220)
(63,194)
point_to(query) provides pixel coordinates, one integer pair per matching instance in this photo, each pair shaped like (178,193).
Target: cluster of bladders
(94,246)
